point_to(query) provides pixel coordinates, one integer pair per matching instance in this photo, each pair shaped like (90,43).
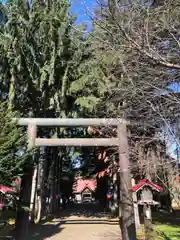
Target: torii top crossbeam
(71,122)
(33,123)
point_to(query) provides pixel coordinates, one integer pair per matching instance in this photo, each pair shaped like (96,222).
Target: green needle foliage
(44,60)
(13,152)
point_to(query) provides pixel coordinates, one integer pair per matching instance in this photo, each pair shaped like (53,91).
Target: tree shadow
(36,232)
(165,237)
(88,210)
(163,217)
(172,219)
(43,231)
(88,221)
(168,224)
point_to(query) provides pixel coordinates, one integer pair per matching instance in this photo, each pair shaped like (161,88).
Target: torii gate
(127,222)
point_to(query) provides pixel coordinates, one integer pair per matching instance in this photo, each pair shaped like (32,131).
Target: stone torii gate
(127,222)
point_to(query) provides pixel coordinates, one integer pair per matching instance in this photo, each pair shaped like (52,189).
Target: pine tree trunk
(59,178)
(22,219)
(41,182)
(55,179)
(51,184)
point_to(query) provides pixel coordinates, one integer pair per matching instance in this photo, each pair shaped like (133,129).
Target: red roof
(5,189)
(82,184)
(146,182)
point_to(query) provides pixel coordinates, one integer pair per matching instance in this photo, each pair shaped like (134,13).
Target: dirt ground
(82,222)
(88,222)
(87,232)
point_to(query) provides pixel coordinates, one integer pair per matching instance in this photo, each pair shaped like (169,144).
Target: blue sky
(83,8)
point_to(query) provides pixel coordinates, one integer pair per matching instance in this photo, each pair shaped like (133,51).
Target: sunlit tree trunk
(33,193)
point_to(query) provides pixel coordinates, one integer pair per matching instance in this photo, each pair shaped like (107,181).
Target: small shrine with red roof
(146,187)
(144,193)
(83,189)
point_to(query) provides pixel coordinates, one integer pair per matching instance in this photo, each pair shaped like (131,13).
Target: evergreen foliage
(13,152)
(42,60)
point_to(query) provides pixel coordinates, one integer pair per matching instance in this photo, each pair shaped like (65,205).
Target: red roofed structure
(146,182)
(82,184)
(83,188)
(4,189)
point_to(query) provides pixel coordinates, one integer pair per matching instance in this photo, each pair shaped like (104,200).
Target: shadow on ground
(84,210)
(164,217)
(172,219)
(43,231)
(169,236)
(87,221)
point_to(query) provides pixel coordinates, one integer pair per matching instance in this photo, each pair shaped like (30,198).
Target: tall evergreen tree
(41,57)
(13,152)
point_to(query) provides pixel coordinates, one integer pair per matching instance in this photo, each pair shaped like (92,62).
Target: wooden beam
(70,122)
(77,142)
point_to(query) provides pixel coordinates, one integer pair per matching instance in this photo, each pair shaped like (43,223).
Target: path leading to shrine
(87,232)
(85,229)
(82,222)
